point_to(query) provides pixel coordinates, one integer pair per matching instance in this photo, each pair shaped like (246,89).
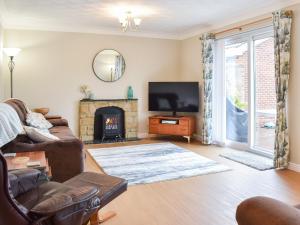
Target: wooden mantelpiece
(108,100)
(183,126)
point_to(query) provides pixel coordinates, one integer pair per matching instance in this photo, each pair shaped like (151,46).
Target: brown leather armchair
(267,211)
(25,200)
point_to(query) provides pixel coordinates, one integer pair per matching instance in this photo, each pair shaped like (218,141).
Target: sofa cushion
(37,120)
(38,135)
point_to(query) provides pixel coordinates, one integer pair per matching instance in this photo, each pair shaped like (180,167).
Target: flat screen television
(174,96)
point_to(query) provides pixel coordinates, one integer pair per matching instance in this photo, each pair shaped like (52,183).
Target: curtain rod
(240,28)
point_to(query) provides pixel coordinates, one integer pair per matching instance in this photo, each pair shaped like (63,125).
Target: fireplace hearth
(109,124)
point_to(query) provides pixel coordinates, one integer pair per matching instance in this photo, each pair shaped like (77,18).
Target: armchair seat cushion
(41,193)
(61,200)
(109,187)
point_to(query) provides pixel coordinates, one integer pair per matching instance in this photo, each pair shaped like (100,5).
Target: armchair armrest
(78,199)
(266,211)
(24,180)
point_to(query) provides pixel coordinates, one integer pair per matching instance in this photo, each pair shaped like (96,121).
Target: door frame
(219,84)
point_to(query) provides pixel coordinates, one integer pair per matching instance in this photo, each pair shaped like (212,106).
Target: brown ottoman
(109,187)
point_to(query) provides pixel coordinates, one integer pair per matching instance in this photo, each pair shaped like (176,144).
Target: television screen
(174,96)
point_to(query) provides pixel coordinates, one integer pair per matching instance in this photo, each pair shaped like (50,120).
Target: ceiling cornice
(247,16)
(160,35)
(104,31)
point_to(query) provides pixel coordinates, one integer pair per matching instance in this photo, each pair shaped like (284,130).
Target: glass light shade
(11,51)
(137,21)
(124,23)
(122,19)
(129,21)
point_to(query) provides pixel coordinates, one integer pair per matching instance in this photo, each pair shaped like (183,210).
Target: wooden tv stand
(173,125)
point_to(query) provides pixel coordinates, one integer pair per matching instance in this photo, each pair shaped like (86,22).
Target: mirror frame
(95,59)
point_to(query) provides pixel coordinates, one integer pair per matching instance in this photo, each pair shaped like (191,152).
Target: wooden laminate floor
(204,200)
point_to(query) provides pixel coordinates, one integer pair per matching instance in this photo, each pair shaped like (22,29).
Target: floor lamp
(11,53)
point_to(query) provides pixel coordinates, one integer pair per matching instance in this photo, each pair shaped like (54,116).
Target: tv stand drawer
(154,121)
(184,122)
(181,126)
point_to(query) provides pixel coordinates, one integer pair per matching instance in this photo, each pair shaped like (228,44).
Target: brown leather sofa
(65,156)
(267,211)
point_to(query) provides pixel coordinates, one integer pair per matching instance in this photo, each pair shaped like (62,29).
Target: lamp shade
(11,51)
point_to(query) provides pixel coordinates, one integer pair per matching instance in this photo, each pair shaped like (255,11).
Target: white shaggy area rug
(148,163)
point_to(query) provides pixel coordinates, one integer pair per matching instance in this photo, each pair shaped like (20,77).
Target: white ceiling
(161,18)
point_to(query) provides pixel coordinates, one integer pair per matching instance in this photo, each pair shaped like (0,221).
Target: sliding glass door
(264,92)
(236,74)
(245,73)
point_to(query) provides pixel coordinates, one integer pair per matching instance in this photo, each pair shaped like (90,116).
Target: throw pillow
(37,120)
(38,135)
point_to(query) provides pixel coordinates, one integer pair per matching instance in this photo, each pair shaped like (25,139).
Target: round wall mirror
(109,65)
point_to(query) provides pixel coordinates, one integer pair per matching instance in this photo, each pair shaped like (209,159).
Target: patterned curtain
(208,64)
(282,21)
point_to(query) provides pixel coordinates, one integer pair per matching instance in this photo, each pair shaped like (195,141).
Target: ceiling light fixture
(128,21)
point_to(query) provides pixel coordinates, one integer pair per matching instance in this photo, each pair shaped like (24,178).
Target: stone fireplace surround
(87,109)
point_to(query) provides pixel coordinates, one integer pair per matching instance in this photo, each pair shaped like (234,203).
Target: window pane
(265,94)
(236,72)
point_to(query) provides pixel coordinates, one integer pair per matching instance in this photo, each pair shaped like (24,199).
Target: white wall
(53,65)
(191,69)
(294,90)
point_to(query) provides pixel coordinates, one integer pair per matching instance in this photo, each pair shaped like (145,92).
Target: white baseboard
(295,167)
(198,137)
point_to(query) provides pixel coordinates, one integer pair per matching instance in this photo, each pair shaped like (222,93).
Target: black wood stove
(109,124)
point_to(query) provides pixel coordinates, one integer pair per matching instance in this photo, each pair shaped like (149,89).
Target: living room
(107,94)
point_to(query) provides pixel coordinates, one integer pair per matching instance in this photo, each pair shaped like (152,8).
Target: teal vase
(130,93)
